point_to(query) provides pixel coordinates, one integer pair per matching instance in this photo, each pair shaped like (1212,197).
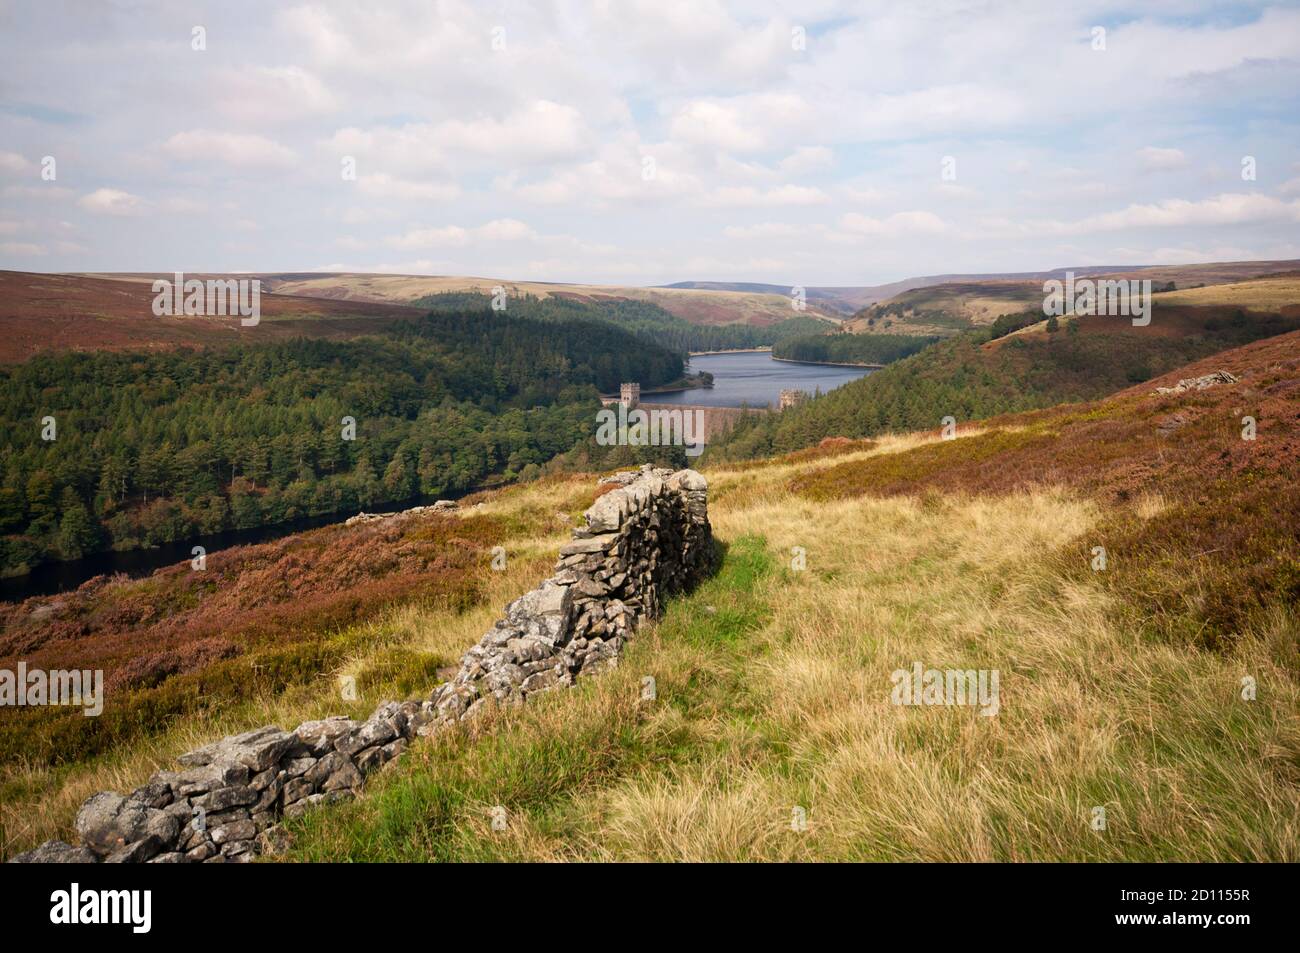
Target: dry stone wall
(645,538)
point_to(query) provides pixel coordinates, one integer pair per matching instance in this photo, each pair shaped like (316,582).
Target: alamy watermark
(653,428)
(128,907)
(55,687)
(931,686)
(1129,298)
(216,297)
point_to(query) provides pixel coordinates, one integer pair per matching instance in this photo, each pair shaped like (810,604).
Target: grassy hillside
(59,313)
(949,304)
(1273,293)
(773,683)
(947,308)
(969,377)
(1120,688)
(647,321)
(708,307)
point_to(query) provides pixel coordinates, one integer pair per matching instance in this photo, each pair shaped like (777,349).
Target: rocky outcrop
(441,506)
(645,538)
(1199,383)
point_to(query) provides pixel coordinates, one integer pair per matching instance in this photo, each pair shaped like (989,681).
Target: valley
(1120,687)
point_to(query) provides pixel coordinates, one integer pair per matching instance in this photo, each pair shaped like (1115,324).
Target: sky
(647,141)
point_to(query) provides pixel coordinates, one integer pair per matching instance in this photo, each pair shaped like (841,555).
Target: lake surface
(755,379)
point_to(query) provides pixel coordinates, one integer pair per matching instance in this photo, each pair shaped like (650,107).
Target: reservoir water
(754,378)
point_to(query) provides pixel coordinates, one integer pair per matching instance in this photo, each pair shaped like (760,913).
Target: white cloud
(498,230)
(242,150)
(11,163)
(273,94)
(1157,159)
(46,191)
(746,196)
(504,230)
(807,159)
(21,248)
(861,195)
(543,131)
(1226,209)
(768,230)
(900,223)
(716,125)
(450,235)
(382,185)
(112,202)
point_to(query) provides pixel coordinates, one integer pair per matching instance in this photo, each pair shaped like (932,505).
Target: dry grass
(1279,294)
(397,651)
(697,305)
(773,691)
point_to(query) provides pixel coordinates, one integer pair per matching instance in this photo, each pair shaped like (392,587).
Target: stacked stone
(228,801)
(441,506)
(644,540)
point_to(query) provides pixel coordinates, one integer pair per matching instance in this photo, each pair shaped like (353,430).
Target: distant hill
(84,312)
(53,312)
(1270,293)
(947,308)
(968,376)
(709,307)
(848,300)
(948,304)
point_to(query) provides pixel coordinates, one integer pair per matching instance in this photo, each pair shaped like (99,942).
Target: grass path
(773,689)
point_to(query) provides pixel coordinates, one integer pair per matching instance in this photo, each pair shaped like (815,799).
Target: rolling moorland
(175,426)
(957,303)
(973,375)
(1121,688)
(704,307)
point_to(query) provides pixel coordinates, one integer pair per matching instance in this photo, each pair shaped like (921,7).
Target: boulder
(366,735)
(318,737)
(108,822)
(223,799)
(55,852)
(256,750)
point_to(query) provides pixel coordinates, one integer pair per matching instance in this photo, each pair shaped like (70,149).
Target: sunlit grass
(772,692)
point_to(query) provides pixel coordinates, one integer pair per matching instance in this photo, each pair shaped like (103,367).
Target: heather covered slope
(1161,689)
(970,376)
(1121,688)
(45,313)
(705,307)
(1219,544)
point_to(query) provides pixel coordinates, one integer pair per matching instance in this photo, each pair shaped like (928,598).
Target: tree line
(850,348)
(1084,359)
(155,447)
(647,321)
